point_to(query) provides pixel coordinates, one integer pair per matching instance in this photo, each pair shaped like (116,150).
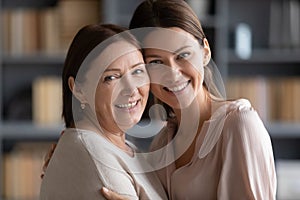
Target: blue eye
(183,55)
(138,71)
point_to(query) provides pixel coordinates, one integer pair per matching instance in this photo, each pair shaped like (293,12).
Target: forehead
(109,55)
(169,39)
(127,60)
(114,51)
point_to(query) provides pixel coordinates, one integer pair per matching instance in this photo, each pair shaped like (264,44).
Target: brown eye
(155,62)
(110,78)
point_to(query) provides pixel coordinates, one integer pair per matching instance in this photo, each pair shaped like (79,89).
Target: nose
(129,87)
(130,92)
(174,71)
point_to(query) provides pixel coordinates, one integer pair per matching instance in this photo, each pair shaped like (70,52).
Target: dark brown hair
(83,43)
(173,13)
(166,14)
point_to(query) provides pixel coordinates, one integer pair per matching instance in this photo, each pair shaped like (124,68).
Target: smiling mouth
(178,88)
(128,105)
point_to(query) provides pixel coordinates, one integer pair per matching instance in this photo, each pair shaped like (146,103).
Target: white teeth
(128,105)
(178,88)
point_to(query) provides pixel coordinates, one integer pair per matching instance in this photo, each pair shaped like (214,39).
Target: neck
(200,107)
(190,126)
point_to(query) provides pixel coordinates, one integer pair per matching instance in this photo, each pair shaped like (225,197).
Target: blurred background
(255,44)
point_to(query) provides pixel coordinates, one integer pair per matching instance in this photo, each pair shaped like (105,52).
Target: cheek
(155,89)
(103,98)
(146,88)
(195,65)
(195,69)
(144,92)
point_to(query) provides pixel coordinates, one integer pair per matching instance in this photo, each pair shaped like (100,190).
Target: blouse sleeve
(248,163)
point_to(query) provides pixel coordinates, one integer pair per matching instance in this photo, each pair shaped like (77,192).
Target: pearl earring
(82,105)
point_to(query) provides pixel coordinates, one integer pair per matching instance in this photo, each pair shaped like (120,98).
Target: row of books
(49,30)
(284,29)
(275,99)
(22,168)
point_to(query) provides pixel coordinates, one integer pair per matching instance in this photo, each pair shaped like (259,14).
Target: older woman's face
(122,90)
(175,62)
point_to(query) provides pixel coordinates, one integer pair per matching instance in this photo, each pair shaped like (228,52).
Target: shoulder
(85,144)
(71,148)
(242,120)
(240,111)
(70,167)
(238,105)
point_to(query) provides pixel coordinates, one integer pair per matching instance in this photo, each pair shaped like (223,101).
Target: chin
(135,119)
(128,123)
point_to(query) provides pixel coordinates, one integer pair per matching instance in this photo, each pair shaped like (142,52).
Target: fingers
(47,159)
(110,195)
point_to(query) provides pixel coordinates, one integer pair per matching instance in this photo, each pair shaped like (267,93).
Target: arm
(112,168)
(248,162)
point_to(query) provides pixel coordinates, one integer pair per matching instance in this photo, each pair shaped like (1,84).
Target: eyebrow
(137,64)
(180,49)
(111,70)
(175,52)
(118,70)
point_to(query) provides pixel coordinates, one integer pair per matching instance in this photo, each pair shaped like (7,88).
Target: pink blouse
(233,158)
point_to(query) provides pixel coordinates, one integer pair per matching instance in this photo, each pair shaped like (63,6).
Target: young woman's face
(175,62)
(122,90)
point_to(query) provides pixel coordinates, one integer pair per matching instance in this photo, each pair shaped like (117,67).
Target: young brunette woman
(228,155)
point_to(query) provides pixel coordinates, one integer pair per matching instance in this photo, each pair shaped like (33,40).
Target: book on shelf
(295,23)
(288,90)
(275,99)
(284,30)
(22,168)
(48,30)
(75,14)
(253,89)
(47,100)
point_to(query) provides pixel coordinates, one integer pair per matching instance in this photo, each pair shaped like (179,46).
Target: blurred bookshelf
(259,57)
(35,35)
(270,74)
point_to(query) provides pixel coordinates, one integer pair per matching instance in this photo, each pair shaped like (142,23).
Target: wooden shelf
(37,59)
(265,62)
(284,130)
(27,3)
(266,56)
(29,131)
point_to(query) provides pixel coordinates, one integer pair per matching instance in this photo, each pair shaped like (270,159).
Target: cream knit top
(84,161)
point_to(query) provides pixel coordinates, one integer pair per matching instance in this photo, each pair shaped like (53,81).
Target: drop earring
(82,105)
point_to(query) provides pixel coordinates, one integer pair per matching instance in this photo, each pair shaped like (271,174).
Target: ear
(76,90)
(206,53)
